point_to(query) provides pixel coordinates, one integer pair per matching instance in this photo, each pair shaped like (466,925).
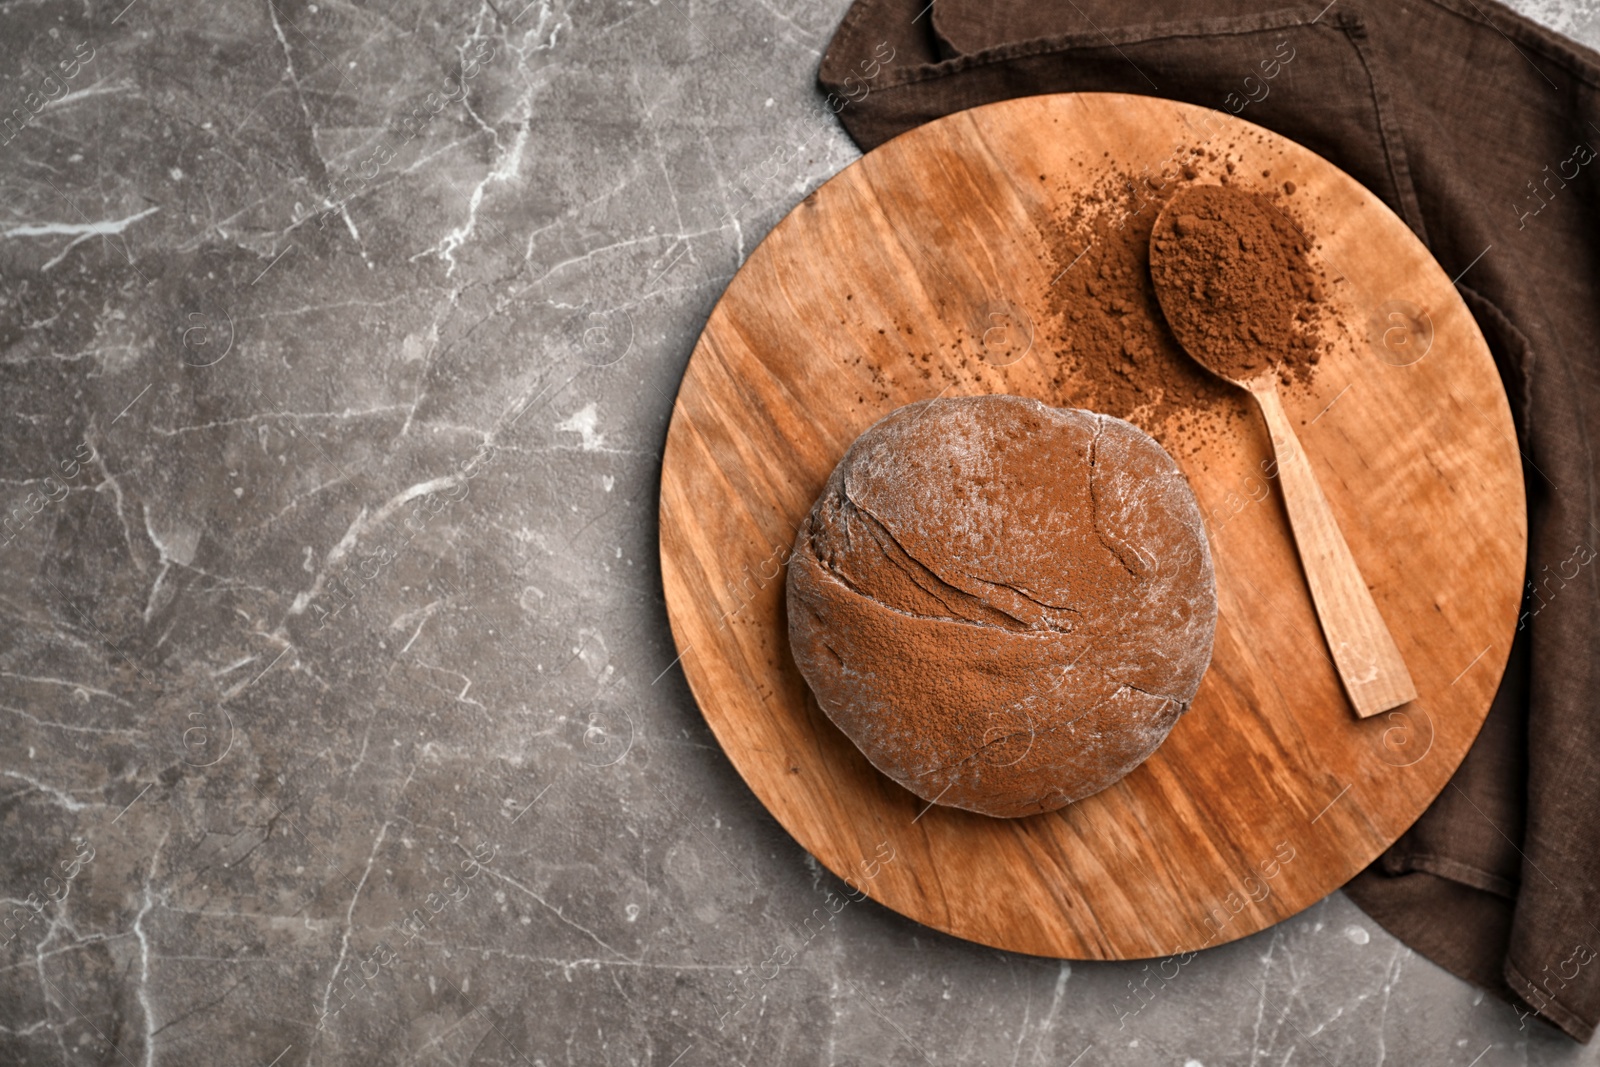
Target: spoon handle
(1370,665)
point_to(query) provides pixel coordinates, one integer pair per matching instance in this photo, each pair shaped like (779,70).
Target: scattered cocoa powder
(1118,352)
(1234,282)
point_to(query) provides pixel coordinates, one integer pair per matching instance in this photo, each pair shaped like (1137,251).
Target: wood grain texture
(1369,663)
(920,271)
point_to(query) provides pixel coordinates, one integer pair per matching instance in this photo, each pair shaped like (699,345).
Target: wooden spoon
(1220,271)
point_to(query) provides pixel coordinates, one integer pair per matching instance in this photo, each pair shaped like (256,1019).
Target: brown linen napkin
(1481,130)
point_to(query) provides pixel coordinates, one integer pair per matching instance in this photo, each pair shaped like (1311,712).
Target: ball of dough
(1006,606)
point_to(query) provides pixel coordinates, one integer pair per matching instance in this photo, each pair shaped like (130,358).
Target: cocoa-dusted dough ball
(1006,606)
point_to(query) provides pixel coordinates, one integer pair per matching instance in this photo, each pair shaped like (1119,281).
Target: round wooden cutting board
(923,270)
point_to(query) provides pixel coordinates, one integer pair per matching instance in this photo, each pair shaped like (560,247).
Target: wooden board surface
(1269,793)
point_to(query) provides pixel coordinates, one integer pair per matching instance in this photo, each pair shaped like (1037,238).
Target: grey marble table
(339,720)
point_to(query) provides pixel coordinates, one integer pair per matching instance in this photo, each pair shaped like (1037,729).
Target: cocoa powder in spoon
(1118,354)
(1234,281)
